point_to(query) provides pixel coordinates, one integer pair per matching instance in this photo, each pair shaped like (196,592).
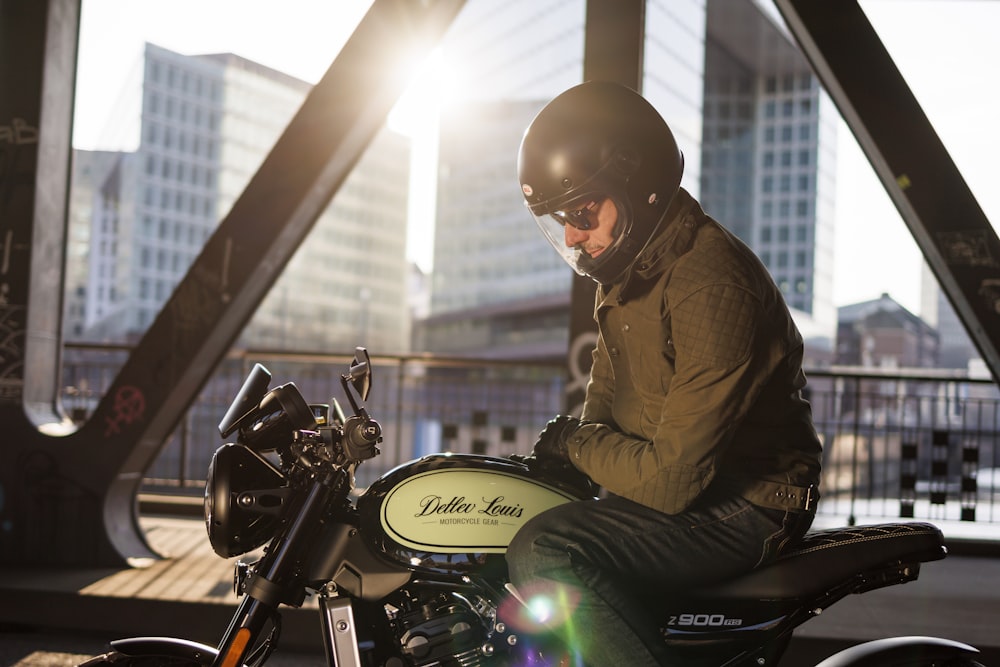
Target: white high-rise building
(207,122)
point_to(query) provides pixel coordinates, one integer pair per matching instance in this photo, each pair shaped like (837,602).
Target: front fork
(274,576)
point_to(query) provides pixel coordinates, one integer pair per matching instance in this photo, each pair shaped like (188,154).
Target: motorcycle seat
(824,559)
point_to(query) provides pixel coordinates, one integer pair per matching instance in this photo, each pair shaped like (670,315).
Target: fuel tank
(450,512)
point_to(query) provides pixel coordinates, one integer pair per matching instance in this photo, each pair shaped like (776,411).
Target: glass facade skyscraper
(769,155)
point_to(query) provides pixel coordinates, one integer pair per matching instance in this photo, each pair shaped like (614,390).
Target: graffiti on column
(18,147)
(971,250)
(129,407)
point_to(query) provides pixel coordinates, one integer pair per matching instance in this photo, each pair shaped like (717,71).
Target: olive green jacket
(697,375)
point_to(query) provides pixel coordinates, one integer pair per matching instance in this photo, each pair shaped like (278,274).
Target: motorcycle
(411,572)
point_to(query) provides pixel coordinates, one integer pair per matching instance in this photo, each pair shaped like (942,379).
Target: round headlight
(243,496)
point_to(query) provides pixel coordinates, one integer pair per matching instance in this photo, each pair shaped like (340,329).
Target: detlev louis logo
(492,507)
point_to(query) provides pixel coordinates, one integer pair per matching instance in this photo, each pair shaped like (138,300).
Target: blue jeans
(595,554)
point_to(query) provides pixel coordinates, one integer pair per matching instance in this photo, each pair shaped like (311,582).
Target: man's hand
(553,441)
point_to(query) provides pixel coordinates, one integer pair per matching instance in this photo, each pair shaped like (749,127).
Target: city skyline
(863,208)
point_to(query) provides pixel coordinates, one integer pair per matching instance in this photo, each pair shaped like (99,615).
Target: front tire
(154,652)
(121,660)
(906,652)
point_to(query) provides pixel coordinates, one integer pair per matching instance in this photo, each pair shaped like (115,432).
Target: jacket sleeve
(721,360)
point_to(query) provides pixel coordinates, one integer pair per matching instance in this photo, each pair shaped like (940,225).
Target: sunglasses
(583,218)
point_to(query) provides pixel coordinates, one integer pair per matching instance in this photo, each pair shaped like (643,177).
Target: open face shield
(586,231)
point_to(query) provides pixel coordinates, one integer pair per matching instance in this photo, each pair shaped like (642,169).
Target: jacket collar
(674,238)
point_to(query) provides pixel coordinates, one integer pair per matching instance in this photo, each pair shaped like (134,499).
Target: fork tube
(340,636)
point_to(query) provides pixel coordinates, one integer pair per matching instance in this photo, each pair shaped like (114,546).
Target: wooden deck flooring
(191,571)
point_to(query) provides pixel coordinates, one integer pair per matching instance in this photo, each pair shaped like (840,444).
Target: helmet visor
(586,231)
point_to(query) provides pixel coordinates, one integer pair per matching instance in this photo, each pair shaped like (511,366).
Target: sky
(946,49)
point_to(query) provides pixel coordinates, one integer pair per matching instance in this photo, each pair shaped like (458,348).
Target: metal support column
(38,40)
(613,51)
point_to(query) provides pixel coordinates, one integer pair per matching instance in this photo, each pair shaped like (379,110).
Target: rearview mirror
(253,390)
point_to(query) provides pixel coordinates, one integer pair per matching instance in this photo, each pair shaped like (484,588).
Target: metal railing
(919,444)
(914,444)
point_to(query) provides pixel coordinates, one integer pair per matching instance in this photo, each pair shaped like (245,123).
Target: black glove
(561,472)
(553,441)
(567,473)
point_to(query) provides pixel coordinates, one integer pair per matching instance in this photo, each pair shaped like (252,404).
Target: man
(693,423)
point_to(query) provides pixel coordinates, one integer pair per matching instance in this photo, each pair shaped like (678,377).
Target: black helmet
(594,142)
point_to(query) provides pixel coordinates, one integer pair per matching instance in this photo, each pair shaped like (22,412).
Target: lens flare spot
(541,609)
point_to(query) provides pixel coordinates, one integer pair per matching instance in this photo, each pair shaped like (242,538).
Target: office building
(207,122)
(956,348)
(769,161)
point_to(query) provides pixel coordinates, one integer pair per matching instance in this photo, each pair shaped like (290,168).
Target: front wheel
(154,652)
(906,652)
(123,660)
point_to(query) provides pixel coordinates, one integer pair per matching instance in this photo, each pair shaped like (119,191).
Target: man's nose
(574,236)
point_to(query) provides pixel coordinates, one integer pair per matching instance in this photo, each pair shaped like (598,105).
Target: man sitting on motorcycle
(694,423)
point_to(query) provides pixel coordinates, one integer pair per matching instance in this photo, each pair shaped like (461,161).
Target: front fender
(181,649)
(899,652)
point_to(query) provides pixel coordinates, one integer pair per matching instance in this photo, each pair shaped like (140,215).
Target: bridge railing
(916,444)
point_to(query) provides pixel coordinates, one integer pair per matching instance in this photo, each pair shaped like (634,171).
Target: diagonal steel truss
(920,177)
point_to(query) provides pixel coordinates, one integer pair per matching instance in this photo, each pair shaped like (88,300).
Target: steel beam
(922,180)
